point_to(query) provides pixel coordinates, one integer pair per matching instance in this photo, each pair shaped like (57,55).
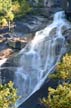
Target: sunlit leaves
(8,95)
(59,97)
(13,8)
(6,13)
(63,70)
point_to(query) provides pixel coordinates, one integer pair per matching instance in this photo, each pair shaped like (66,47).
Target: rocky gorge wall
(49,7)
(45,7)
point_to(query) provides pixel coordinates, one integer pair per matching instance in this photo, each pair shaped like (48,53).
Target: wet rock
(4,30)
(66,5)
(6,53)
(6,35)
(6,69)
(30,24)
(34,100)
(67,35)
(18,43)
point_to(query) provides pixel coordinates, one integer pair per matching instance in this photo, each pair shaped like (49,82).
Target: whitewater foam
(40,57)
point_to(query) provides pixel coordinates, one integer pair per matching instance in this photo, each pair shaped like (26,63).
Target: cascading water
(1,63)
(39,58)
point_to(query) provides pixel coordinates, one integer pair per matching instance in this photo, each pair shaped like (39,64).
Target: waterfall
(39,58)
(1,63)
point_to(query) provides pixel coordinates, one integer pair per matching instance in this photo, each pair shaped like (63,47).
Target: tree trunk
(9,25)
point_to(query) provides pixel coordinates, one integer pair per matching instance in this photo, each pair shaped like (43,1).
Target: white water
(3,61)
(39,57)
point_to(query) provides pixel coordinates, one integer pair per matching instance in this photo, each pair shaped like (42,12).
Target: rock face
(47,7)
(68,36)
(7,66)
(44,3)
(6,53)
(30,24)
(18,43)
(66,5)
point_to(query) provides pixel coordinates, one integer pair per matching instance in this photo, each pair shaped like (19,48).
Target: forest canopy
(10,9)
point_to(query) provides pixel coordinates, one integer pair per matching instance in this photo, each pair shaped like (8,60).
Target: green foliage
(6,13)
(8,95)
(21,7)
(58,98)
(10,9)
(63,70)
(10,16)
(6,6)
(16,7)
(61,96)
(3,21)
(25,6)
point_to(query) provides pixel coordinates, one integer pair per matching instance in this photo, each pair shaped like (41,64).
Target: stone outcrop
(18,43)
(47,7)
(67,35)
(6,53)
(45,3)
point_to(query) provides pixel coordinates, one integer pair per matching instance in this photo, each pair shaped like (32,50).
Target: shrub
(3,22)
(25,7)
(21,8)
(8,95)
(6,12)
(63,70)
(16,7)
(59,97)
